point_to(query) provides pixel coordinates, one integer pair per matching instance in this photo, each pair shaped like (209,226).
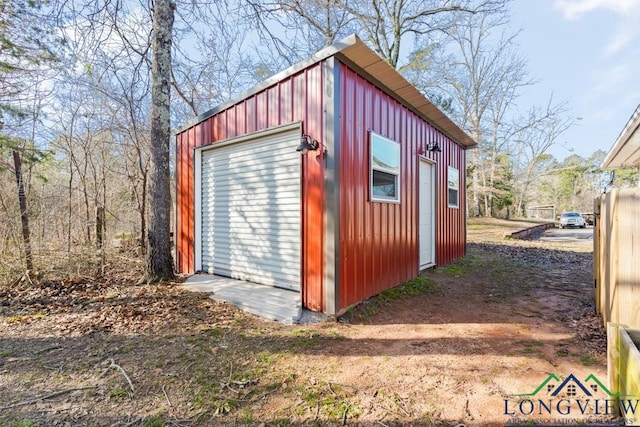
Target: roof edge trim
(629,129)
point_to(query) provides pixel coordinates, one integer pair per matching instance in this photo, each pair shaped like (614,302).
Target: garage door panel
(251,210)
(244,269)
(285,246)
(285,251)
(281,262)
(270,189)
(222,232)
(235,215)
(247,266)
(281,279)
(251,180)
(256,277)
(275,198)
(251,172)
(258,205)
(265,213)
(267,147)
(261,159)
(276,268)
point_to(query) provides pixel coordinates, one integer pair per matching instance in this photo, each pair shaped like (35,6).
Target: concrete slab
(269,302)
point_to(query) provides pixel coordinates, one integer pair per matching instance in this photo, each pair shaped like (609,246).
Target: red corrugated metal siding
(379,241)
(184,202)
(297,98)
(451,234)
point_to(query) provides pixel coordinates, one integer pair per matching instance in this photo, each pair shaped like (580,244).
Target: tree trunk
(158,256)
(485,197)
(99,227)
(24,215)
(492,179)
(143,214)
(87,214)
(475,176)
(70,207)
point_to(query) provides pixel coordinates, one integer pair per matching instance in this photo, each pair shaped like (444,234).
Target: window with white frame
(453,180)
(385,169)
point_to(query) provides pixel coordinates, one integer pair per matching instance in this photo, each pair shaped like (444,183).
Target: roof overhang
(626,150)
(354,53)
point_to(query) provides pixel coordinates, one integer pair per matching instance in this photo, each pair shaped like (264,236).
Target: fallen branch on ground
(45,397)
(166,396)
(114,365)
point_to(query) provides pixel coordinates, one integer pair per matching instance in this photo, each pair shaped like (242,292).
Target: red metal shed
(374,204)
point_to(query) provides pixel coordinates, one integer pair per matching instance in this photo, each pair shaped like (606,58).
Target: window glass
(386,154)
(453,180)
(385,169)
(384,185)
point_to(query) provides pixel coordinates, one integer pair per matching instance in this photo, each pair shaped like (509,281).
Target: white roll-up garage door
(251,213)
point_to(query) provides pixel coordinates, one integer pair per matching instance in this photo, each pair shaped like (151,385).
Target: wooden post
(613,354)
(627,274)
(628,369)
(609,256)
(596,254)
(613,357)
(99,226)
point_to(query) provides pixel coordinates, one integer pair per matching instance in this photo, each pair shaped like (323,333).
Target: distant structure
(542,212)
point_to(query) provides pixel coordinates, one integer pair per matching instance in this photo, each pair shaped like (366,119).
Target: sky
(587,54)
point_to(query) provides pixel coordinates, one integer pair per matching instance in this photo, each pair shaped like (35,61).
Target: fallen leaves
(82,305)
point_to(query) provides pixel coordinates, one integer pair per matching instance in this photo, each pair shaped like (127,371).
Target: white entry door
(427,215)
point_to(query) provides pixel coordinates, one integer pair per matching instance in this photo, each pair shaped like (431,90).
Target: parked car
(572,219)
(589,217)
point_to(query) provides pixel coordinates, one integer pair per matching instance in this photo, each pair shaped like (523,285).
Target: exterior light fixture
(434,146)
(307,143)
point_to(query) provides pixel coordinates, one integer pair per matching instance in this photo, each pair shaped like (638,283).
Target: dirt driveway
(569,235)
(446,349)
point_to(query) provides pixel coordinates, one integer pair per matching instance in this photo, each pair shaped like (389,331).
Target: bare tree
(543,130)
(310,25)
(482,77)
(135,147)
(221,65)
(512,76)
(117,34)
(388,23)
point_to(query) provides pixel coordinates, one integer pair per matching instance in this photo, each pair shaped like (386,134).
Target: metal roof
(354,53)
(626,149)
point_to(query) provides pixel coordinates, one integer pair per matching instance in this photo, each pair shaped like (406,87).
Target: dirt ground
(446,349)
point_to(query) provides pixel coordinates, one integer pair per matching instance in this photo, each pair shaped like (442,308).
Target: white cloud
(626,34)
(611,81)
(626,29)
(612,94)
(574,9)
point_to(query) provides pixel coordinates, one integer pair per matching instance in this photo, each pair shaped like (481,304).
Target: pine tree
(25,52)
